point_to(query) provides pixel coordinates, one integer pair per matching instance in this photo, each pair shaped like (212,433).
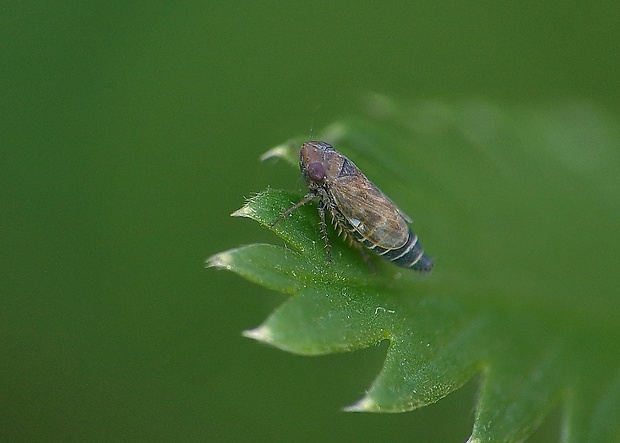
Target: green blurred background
(131,130)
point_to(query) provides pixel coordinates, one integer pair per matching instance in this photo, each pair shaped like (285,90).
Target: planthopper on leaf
(357,206)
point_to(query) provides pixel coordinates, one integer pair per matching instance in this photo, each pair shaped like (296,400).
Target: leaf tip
(366,404)
(223,260)
(262,334)
(289,152)
(277,152)
(244,211)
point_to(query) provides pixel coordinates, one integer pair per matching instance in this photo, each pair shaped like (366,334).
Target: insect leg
(293,208)
(328,247)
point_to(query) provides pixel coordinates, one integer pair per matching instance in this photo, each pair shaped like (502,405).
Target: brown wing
(369,211)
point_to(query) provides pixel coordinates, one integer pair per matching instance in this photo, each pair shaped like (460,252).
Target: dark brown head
(314,161)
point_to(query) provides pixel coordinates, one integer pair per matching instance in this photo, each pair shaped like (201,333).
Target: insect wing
(369,211)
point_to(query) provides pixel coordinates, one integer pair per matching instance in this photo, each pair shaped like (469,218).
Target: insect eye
(316,171)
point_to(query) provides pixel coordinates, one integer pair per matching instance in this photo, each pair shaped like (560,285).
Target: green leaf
(520,209)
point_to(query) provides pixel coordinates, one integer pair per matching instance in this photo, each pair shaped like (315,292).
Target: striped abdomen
(409,255)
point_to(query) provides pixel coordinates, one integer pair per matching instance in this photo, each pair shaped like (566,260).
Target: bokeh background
(131,130)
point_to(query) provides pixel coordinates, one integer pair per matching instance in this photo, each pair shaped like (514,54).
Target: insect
(357,207)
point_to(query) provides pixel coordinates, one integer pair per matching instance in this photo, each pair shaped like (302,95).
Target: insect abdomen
(410,255)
